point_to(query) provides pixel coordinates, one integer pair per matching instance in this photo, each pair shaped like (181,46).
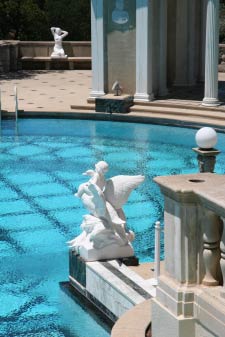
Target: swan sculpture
(105,235)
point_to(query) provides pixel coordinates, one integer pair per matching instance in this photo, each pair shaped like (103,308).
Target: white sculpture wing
(89,173)
(118,189)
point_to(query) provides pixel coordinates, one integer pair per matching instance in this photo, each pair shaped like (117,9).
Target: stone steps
(177,103)
(134,322)
(203,116)
(81,107)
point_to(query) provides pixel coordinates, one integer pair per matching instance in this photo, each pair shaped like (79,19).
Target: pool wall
(110,285)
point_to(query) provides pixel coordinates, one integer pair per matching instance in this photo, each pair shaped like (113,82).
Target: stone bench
(75,62)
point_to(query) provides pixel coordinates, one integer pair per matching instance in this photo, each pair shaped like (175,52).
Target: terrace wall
(13,52)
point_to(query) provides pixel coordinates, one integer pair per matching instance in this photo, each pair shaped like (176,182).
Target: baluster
(211,252)
(222,260)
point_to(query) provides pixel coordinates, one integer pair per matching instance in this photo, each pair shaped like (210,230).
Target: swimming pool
(40,168)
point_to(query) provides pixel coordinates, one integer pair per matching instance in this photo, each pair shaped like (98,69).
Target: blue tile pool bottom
(40,169)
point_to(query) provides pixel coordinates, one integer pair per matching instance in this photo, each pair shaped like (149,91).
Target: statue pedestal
(113,104)
(57,57)
(88,253)
(110,286)
(206,159)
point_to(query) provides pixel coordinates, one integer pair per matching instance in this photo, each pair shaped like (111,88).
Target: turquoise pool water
(40,169)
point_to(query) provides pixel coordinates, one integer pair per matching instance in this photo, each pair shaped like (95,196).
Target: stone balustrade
(222,259)
(190,297)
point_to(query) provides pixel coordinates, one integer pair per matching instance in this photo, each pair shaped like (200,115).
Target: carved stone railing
(211,245)
(191,293)
(222,260)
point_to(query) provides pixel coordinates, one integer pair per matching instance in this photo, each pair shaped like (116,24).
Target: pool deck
(53,93)
(45,91)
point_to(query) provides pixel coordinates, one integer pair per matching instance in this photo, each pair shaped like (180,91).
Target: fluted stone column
(163,49)
(97,37)
(203,34)
(144,88)
(211,53)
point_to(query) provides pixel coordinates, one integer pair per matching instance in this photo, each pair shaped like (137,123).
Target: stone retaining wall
(8,56)
(12,51)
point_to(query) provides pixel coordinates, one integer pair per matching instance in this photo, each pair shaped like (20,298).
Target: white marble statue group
(104,234)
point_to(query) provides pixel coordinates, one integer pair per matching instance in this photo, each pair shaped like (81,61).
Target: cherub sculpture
(104,233)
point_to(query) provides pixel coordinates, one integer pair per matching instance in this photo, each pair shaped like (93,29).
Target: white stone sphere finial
(206,138)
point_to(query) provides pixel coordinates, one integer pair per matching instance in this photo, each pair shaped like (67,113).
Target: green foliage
(32,19)
(22,17)
(72,16)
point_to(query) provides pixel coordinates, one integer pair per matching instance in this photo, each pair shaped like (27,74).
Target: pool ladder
(16,103)
(158,230)
(16,106)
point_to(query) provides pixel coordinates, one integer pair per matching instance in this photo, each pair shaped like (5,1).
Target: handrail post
(157,251)
(16,103)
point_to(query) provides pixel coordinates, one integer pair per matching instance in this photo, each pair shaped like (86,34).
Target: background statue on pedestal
(58,34)
(105,235)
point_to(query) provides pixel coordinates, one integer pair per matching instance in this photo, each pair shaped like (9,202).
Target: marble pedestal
(88,253)
(113,104)
(206,159)
(59,57)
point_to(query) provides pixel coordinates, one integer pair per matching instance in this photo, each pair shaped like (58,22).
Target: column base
(95,94)
(207,101)
(173,326)
(143,97)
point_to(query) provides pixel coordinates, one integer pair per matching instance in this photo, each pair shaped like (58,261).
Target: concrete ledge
(45,48)
(14,54)
(129,117)
(74,62)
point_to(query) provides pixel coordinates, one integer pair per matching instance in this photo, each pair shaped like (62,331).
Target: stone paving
(45,90)
(57,90)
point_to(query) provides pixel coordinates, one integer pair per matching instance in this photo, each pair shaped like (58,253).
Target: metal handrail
(16,103)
